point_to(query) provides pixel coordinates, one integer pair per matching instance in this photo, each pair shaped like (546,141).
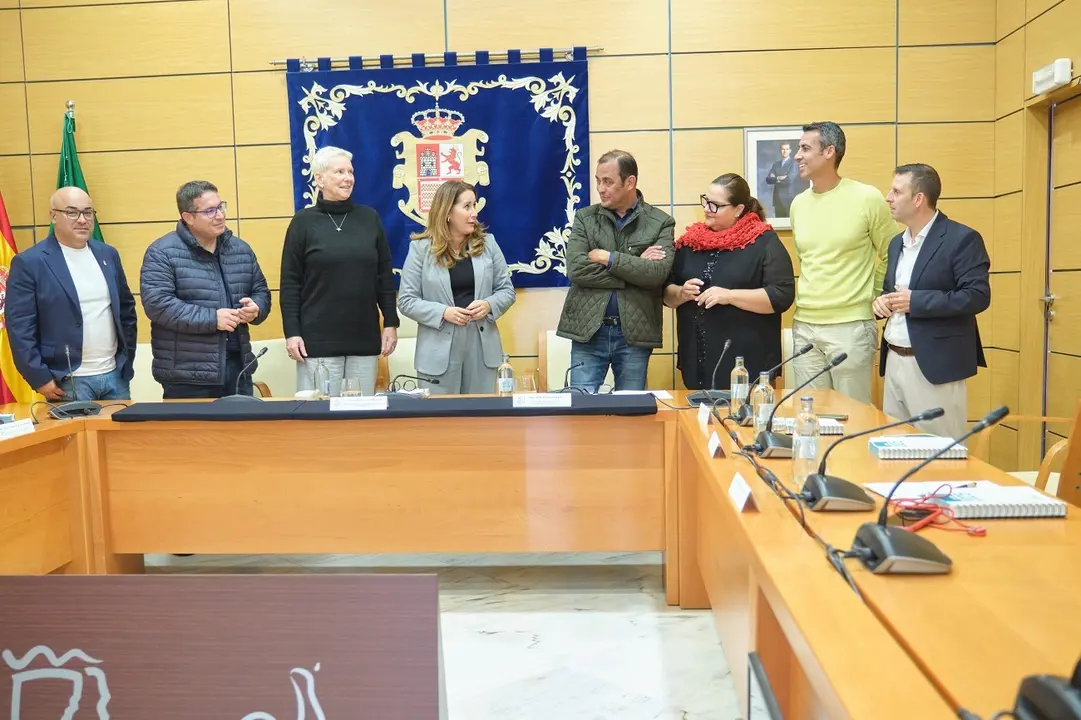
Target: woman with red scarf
(731,280)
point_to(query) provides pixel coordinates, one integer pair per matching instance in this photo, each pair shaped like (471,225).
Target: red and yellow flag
(13,389)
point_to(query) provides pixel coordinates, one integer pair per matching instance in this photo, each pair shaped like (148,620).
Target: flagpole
(71,109)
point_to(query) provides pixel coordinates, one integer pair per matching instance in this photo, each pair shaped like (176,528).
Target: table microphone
(236,394)
(712,396)
(771,444)
(828,492)
(394,383)
(744,416)
(891,550)
(567,375)
(75,408)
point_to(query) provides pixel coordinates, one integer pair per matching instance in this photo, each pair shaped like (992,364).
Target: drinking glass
(351,387)
(527,382)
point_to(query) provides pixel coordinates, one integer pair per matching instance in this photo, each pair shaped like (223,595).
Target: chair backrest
(275,369)
(787,374)
(553,359)
(1069,481)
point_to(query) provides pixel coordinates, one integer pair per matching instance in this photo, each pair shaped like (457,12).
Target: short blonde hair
(438,218)
(324,156)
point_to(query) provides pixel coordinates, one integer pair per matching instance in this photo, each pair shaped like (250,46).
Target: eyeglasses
(710,205)
(211,212)
(74,214)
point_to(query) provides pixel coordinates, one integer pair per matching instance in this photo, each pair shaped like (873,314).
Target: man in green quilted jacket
(618,258)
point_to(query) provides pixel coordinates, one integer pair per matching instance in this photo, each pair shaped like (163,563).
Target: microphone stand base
(892,550)
(744,417)
(238,398)
(708,397)
(75,408)
(774,445)
(826,493)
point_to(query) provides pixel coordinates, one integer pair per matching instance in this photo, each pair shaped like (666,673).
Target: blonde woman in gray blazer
(455,284)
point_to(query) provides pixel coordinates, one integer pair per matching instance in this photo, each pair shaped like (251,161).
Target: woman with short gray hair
(336,278)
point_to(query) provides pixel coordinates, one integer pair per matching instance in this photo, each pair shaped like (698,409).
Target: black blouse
(701,333)
(462,282)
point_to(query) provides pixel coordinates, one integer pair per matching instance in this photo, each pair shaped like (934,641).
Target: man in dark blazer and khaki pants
(936,283)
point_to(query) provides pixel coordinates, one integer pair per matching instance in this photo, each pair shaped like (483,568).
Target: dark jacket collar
(186,235)
(639,203)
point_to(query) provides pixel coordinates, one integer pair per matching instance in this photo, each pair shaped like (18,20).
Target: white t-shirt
(99,330)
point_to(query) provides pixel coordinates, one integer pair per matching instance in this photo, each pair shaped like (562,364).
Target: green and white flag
(70,174)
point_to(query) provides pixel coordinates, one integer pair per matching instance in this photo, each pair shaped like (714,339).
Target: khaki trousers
(908,392)
(852,377)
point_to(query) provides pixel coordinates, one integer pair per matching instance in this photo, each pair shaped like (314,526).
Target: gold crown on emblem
(436,122)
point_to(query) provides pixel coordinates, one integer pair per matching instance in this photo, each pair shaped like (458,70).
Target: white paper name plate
(703,416)
(715,449)
(740,494)
(541,400)
(374,402)
(15,429)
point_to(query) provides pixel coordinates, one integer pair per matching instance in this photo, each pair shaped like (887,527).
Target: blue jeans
(607,347)
(107,386)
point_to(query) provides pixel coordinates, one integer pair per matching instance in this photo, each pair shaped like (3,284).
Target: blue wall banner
(518,131)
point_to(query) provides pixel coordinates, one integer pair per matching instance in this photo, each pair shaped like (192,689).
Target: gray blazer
(424,294)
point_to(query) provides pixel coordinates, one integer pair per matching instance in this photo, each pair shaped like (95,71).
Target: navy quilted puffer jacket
(182,291)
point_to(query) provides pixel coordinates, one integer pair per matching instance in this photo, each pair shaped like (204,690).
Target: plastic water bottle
(504,378)
(739,387)
(322,379)
(805,442)
(762,402)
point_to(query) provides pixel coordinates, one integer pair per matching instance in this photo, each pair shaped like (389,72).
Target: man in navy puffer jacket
(201,287)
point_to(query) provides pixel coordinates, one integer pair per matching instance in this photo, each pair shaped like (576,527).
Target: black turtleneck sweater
(335,283)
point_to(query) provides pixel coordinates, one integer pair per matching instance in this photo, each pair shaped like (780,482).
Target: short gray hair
(325,155)
(829,133)
(189,192)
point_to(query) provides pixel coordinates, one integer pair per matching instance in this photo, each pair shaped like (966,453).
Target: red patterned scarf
(745,231)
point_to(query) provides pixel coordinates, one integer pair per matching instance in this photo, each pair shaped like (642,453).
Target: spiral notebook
(981,499)
(914,447)
(826,426)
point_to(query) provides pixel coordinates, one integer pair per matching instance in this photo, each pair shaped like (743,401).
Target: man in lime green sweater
(842,229)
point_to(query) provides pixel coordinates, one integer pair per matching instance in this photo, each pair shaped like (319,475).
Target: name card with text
(17,428)
(541,400)
(359,404)
(703,416)
(715,449)
(740,494)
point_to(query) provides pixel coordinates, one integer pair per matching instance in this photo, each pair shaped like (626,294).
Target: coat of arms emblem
(436,156)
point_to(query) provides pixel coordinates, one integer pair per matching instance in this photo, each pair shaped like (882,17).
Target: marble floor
(546,637)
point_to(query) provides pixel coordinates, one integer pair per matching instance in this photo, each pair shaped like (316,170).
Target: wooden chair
(262,389)
(1069,451)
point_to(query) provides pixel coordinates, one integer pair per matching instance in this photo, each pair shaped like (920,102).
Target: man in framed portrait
(783,176)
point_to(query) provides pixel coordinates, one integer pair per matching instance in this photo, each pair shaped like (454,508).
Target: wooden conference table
(1008,609)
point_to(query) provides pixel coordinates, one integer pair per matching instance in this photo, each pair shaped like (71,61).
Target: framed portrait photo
(772,172)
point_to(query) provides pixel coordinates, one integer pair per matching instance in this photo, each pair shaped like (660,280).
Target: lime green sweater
(841,238)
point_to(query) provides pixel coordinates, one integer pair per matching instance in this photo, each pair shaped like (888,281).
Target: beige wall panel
(965,92)
(140,186)
(264,181)
(978,394)
(134,114)
(1065,219)
(5,4)
(15,186)
(701,156)
(482,24)
(266,238)
(1003,365)
(143,322)
(978,214)
(770,88)
(127,40)
(931,22)
(1064,384)
(1066,145)
(261,106)
(1010,15)
(612,81)
(684,216)
(985,323)
(1053,35)
(11,49)
(1010,78)
(1004,448)
(265,30)
(661,372)
(534,310)
(24,238)
(1065,329)
(790,246)
(1008,164)
(271,328)
(66,3)
(1005,300)
(1007,246)
(963,154)
(131,241)
(869,155)
(780,25)
(651,151)
(13,139)
(1037,7)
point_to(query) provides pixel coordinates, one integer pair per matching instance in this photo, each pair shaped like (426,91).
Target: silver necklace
(336,225)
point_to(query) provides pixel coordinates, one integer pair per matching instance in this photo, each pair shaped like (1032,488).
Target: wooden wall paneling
(24,238)
(963,154)
(978,393)
(1066,145)
(928,22)
(1064,375)
(13,137)
(615,80)
(11,49)
(1003,366)
(965,92)
(1065,330)
(131,241)
(1009,16)
(1052,35)
(652,152)
(1010,78)
(264,181)
(1008,143)
(266,238)
(15,185)
(259,101)
(1006,297)
(869,155)
(977,213)
(701,156)
(1007,252)
(1065,221)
